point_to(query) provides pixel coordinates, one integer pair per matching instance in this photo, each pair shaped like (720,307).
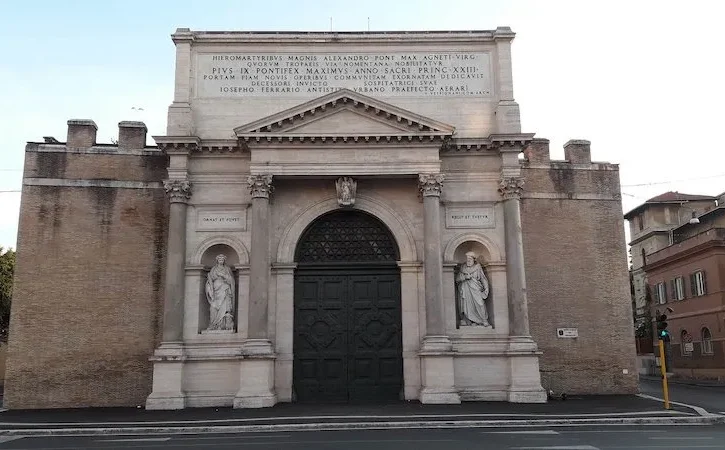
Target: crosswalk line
(522,432)
(558,447)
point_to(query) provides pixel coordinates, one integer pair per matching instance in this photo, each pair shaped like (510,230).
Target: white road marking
(521,432)
(559,447)
(135,440)
(667,438)
(9,438)
(235,436)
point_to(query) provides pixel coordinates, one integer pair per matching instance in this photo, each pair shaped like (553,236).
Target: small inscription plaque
(567,332)
(221,221)
(386,74)
(481,217)
(689,347)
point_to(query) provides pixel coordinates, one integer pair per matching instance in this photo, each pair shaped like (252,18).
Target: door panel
(347,336)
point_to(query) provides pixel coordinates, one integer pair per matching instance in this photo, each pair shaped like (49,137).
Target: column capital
(511,187)
(178,191)
(431,184)
(260,186)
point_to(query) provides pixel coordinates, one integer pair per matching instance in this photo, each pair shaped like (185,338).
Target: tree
(7,267)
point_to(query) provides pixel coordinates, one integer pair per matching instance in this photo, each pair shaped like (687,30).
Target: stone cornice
(177,143)
(406,122)
(327,139)
(315,37)
(497,142)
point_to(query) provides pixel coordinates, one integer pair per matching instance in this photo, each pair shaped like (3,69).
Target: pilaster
(525,385)
(436,349)
(256,384)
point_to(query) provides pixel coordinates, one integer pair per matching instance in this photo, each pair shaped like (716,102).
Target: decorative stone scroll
(260,186)
(346,189)
(511,187)
(178,191)
(430,184)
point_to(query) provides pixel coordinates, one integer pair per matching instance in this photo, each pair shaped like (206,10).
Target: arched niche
(236,251)
(486,250)
(208,259)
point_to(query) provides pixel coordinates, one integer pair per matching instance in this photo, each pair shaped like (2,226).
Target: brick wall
(576,273)
(88,289)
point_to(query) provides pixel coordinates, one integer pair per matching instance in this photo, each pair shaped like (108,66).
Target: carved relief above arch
(493,252)
(235,244)
(386,214)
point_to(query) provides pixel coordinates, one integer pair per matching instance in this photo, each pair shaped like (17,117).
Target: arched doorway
(347,342)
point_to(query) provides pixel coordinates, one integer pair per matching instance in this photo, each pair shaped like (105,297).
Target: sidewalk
(593,410)
(684,381)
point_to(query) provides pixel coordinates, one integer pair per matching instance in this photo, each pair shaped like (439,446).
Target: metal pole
(664,374)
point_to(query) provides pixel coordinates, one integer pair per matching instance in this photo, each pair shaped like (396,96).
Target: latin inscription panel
(470,217)
(386,74)
(221,220)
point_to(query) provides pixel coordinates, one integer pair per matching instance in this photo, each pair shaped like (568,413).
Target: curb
(432,424)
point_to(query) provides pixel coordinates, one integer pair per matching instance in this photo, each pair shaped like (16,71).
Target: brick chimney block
(578,151)
(81,133)
(537,151)
(131,135)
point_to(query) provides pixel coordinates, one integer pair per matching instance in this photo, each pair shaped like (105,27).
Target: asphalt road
(578,438)
(712,398)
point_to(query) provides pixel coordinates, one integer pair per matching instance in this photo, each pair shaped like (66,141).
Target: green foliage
(7,267)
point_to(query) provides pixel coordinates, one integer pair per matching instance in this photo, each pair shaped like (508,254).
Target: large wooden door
(347,314)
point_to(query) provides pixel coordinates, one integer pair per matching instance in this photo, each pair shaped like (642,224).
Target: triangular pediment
(344,113)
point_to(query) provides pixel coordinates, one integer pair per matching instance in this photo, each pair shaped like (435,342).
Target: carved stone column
(436,350)
(511,189)
(179,192)
(167,392)
(525,381)
(256,385)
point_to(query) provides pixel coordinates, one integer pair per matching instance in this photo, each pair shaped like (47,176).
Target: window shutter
(656,293)
(693,285)
(673,290)
(704,283)
(664,290)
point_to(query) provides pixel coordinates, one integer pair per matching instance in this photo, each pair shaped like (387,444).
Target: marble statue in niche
(473,290)
(346,188)
(220,295)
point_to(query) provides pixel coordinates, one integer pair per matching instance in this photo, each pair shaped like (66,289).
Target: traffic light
(662,332)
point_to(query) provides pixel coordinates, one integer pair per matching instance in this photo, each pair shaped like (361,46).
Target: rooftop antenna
(330,23)
(368,23)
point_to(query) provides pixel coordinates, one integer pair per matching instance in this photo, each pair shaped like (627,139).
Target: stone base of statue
(217,332)
(167,392)
(525,386)
(256,375)
(438,382)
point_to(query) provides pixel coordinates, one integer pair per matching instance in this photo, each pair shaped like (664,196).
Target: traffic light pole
(665,389)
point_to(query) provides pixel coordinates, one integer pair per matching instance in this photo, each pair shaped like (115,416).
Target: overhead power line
(653,183)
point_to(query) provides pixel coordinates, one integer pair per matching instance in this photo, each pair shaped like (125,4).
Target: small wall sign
(567,332)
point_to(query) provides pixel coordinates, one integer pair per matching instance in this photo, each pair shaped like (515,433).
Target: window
(661,293)
(685,343)
(640,222)
(698,284)
(644,258)
(678,288)
(706,342)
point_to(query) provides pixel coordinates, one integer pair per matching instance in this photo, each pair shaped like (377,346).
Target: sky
(642,80)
